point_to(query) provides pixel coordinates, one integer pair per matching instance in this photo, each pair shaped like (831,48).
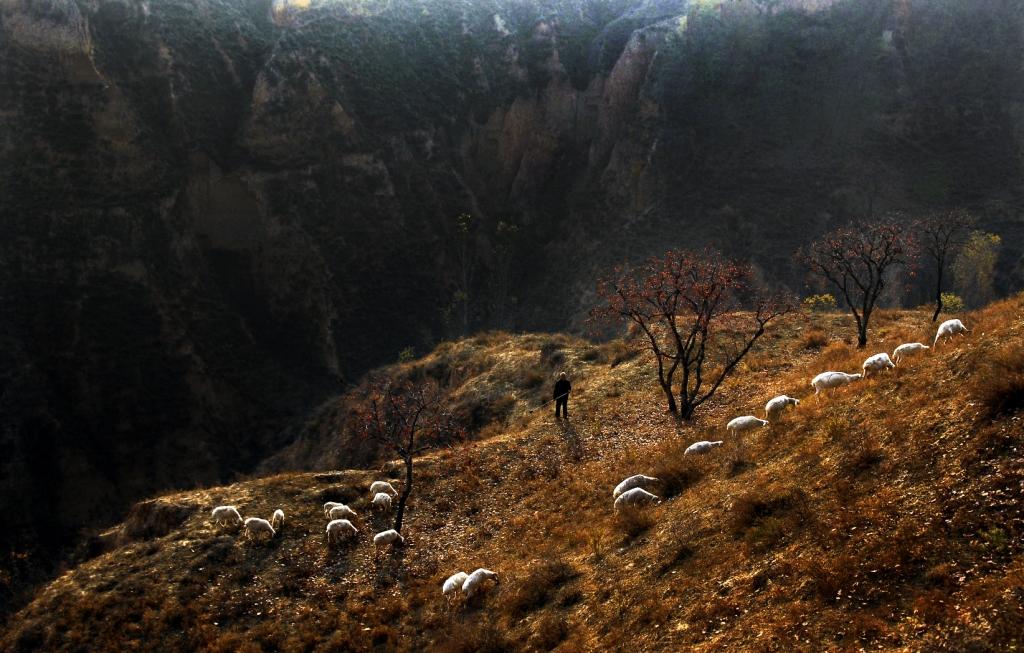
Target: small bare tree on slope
(855,260)
(407,418)
(686,307)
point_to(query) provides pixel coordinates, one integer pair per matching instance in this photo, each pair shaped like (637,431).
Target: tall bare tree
(686,307)
(855,260)
(939,234)
(407,419)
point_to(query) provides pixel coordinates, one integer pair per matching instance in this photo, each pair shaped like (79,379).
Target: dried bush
(814,339)
(538,586)
(1000,388)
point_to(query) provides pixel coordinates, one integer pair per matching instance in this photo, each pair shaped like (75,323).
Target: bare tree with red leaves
(940,232)
(686,307)
(855,259)
(407,418)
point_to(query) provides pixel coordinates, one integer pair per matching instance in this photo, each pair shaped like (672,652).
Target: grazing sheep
(256,527)
(907,349)
(383,486)
(340,529)
(453,585)
(381,501)
(277,521)
(329,505)
(745,423)
(877,363)
(773,409)
(474,583)
(340,511)
(635,498)
(703,446)
(831,380)
(226,516)
(387,538)
(950,328)
(638,480)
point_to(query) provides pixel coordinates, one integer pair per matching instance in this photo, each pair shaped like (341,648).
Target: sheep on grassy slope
(745,423)
(256,527)
(775,406)
(453,584)
(635,498)
(226,516)
(383,486)
(340,511)
(477,581)
(329,505)
(831,380)
(340,529)
(381,501)
(277,520)
(638,480)
(387,538)
(703,446)
(907,349)
(877,363)
(950,328)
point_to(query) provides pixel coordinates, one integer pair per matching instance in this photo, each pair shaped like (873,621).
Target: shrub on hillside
(1001,388)
(634,522)
(820,303)
(538,586)
(814,339)
(952,303)
(477,636)
(677,472)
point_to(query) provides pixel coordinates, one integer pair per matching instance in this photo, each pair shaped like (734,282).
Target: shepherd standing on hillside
(561,395)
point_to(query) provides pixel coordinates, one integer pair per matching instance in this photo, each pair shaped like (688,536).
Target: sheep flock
(633,493)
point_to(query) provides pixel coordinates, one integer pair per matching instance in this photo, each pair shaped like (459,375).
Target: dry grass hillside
(887,516)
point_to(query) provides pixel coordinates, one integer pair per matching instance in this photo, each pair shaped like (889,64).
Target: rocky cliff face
(216,212)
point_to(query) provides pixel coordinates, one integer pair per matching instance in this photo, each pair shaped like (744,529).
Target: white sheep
(907,349)
(387,538)
(745,423)
(703,446)
(877,363)
(638,480)
(277,520)
(474,583)
(453,584)
(382,501)
(950,328)
(831,380)
(340,529)
(329,505)
(775,406)
(383,486)
(340,511)
(255,527)
(226,516)
(635,498)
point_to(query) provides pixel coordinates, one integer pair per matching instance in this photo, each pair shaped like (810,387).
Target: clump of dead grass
(537,586)
(1000,386)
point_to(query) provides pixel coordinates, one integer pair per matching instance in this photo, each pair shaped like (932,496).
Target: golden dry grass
(884,516)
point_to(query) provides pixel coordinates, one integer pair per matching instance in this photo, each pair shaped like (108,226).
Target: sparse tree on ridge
(855,260)
(940,233)
(686,307)
(407,418)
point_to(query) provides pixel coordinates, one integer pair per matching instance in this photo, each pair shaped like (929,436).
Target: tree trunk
(406,491)
(667,389)
(862,337)
(938,296)
(687,408)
